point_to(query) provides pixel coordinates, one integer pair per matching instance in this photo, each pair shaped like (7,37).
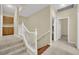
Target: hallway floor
(61,47)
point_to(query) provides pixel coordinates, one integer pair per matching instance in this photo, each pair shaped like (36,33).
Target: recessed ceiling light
(10,6)
(20,8)
(62,5)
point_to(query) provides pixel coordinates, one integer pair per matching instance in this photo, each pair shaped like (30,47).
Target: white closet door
(57,29)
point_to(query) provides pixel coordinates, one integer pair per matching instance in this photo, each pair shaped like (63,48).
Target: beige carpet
(61,48)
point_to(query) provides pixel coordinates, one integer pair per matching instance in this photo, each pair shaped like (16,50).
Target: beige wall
(64,26)
(22,18)
(44,41)
(72,23)
(41,21)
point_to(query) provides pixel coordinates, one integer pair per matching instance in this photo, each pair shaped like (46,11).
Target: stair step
(11,48)
(17,51)
(8,44)
(24,52)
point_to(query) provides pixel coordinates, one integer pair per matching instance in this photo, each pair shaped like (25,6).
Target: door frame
(68,18)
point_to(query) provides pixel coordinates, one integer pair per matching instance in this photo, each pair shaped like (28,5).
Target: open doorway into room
(64,29)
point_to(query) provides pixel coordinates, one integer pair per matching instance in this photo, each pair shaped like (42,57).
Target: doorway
(64,29)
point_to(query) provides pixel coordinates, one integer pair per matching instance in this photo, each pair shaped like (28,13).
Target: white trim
(50,24)
(78,26)
(71,42)
(55,29)
(43,34)
(68,18)
(68,29)
(36,41)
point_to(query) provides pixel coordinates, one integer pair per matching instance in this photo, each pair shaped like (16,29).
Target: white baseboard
(71,42)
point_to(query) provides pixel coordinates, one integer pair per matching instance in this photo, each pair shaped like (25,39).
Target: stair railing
(30,39)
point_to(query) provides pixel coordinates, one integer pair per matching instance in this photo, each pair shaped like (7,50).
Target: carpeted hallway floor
(61,47)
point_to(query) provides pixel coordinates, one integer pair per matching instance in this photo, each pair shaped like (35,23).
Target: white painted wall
(64,26)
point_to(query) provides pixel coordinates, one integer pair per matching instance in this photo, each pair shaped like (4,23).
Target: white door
(57,29)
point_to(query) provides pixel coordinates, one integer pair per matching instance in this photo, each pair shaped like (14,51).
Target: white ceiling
(31,9)
(26,9)
(59,6)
